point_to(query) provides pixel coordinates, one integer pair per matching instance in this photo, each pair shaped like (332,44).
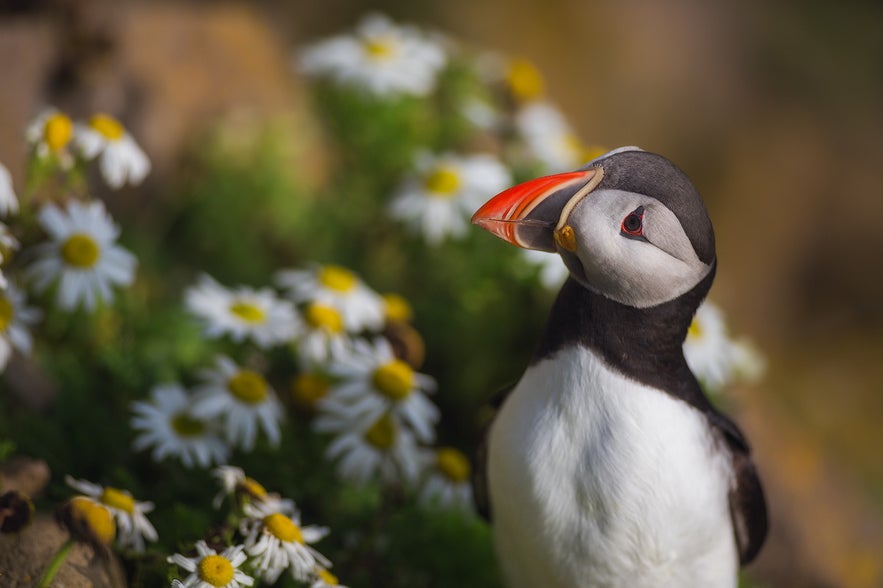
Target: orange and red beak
(528,214)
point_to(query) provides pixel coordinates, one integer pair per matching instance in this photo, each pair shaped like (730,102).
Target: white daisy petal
(715,358)
(15,320)
(8,200)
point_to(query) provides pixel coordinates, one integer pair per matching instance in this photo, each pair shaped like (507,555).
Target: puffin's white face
(630,248)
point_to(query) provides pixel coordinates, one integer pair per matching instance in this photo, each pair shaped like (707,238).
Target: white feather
(597,480)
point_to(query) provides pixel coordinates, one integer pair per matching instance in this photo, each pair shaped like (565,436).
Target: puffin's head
(629,225)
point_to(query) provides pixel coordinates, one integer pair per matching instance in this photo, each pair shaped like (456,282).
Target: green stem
(55,564)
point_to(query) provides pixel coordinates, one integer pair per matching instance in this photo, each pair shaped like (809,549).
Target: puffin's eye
(633,223)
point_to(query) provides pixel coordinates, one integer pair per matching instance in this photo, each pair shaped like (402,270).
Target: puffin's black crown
(647,173)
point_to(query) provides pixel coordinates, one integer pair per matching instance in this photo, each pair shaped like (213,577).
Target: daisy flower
(235,483)
(447,479)
(308,388)
(364,449)
(331,285)
(81,255)
(380,58)
(323,337)
(50,134)
(550,139)
(88,521)
(242,313)
(523,80)
(712,355)
(278,542)
(209,569)
(322,578)
(130,515)
(242,399)
(439,199)
(8,200)
(375,382)
(121,160)
(167,424)
(15,318)
(553,272)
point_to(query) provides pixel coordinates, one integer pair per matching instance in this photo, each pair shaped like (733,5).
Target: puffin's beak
(529,214)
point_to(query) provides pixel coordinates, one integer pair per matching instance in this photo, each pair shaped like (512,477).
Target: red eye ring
(633,223)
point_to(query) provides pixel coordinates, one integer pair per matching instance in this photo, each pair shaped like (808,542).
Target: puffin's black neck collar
(645,344)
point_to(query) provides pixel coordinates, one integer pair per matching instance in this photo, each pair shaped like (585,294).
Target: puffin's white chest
(597,480)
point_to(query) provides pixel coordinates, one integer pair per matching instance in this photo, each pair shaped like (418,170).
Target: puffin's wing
(479,472)
(747,502)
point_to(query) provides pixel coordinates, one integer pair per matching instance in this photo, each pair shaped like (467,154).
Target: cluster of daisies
(356,378)
(436,199)
(270,539)
(72,251)
(267,540)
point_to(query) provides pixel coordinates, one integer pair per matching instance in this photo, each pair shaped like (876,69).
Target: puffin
(606,465)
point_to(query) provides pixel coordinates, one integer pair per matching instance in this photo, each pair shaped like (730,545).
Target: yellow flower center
(248,312)
(337,278)
(524,80)
(397,309)
(382,434)
(215,570)
(380,48)
(452,464)
(394,379)
(248,386)
(57,131)
(442,182)
(283,528)
(109,127)
(186,426)
(308,388)
(695,331)
(6,312)
(95,517)
(253,488)
(118,499)
(327,577)
(322,316)
(80,250)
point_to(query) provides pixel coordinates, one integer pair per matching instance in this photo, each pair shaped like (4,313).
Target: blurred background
(773,109)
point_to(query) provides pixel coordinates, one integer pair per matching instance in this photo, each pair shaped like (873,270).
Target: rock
(24,557)
(28,476)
